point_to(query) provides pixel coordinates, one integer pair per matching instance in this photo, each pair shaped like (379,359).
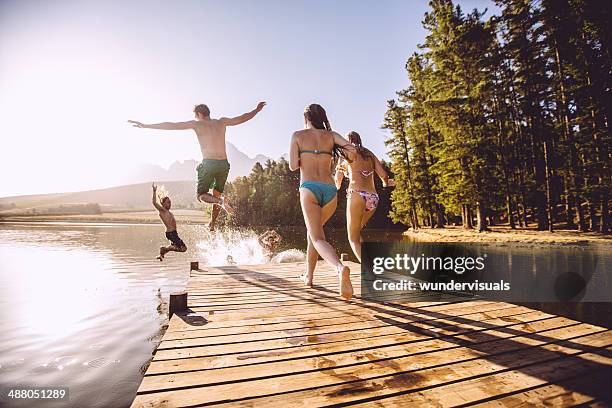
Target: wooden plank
(466,378)
(313,296)
(304,294)
(308,323)
(468,392)
(393,333)
(247,318)
(343,357)
(578,390)
(421,321)
(348,382)
(255,336)
(373,345)
(318,306)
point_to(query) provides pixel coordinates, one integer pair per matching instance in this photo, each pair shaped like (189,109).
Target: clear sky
(73,72)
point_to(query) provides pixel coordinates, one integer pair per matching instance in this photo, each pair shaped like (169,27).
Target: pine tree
(506,117)
(404,207)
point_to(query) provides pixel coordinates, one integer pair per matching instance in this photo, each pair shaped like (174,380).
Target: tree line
(269,196)
(506,118)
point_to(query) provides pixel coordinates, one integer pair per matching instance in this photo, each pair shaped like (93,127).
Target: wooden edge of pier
(256,336)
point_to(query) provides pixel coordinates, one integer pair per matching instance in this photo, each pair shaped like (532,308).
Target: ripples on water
(84,306)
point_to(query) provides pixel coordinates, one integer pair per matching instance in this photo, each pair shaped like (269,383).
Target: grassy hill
(130,197)
(120,198)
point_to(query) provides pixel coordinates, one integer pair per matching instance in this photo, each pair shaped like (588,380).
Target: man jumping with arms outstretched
(212,172)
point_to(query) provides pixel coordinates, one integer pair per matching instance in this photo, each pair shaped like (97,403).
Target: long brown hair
(317,116)
(355,140)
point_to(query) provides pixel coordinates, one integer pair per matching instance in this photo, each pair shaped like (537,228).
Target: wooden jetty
(255,336)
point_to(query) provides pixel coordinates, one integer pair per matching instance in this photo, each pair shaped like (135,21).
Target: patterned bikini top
(364,173)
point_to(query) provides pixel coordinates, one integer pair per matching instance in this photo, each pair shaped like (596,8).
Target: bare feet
(226,206)
(346,288)
(162,251)
(304,278)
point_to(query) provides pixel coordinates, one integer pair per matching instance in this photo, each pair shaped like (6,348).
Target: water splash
(239,247)
(291,255)
(162,192)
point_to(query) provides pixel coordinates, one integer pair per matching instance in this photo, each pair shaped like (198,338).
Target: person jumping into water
(361,195)
(313,151)
(169,221)
(269,241)
(213,171)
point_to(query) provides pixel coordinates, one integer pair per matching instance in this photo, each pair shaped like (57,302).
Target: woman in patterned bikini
(361,196)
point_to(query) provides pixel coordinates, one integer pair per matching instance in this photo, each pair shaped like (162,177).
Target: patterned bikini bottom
(371,199)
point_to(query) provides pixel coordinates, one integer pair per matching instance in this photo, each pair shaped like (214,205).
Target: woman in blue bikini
(361,196)
(313,151)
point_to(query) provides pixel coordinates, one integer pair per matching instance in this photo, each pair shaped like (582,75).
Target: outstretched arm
(165,125)
(244,117)
(262,240)
(154,199)
(267,239)
(346,146)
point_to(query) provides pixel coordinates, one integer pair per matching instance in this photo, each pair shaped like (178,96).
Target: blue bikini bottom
(323,192)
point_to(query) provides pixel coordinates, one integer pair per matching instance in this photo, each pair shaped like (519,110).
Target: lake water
(83,305)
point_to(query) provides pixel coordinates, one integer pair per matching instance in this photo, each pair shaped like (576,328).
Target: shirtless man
(212,172)
(170,222)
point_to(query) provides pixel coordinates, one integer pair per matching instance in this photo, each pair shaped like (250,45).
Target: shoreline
(503,235)
(183,216)
(499,235)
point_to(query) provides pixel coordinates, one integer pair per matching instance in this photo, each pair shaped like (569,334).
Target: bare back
(361,173)
(315,166)
(211,136)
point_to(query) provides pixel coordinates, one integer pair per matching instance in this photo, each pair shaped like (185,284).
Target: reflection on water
(84,305)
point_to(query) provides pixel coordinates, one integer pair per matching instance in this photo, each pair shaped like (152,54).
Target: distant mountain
(179,170)
(133,196)
(241,165)
(179,180)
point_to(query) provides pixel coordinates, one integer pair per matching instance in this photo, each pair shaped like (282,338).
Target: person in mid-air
(163,208)
(213,171)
